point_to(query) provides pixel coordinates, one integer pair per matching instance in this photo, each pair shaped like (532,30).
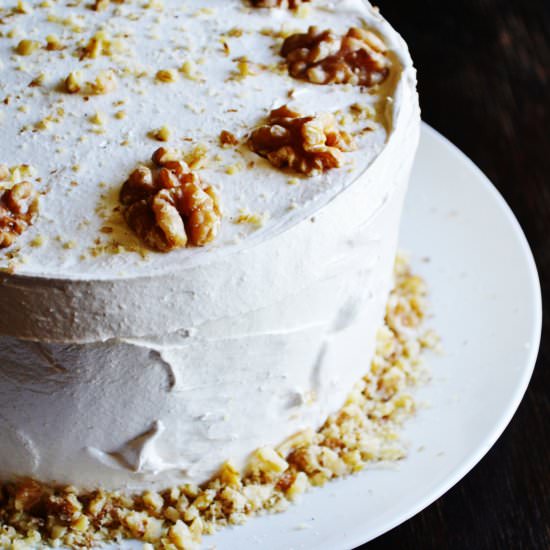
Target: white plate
(486,303)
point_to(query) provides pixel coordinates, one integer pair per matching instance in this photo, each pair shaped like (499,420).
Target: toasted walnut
(101,5)
(228,139)
(166,76)
(27,495)
(160,134)
(4,172)
(292,4)
(73,82)
(358,58)
(169,207)
(98,45)
(306,144)
(18,209)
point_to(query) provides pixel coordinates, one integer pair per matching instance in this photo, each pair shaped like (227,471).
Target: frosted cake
(199,209)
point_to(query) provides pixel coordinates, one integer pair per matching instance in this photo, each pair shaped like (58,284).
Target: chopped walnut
(166,76)
(4,172)
(358,58)
(169,207)
(292,4)
(97,45)
(104,83)
(228,139)
(53,43)
(306,144)
(160,134)
(18,209)
(73,82)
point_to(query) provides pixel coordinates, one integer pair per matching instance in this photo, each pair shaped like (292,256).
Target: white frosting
(121,372)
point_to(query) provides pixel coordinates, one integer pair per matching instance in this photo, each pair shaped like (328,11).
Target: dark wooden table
(484,81)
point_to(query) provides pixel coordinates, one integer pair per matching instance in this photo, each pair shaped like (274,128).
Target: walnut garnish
(169,207)
(358,58)
(98,45)
(292,4)
(37,81)
(160,134)
(27,495)
(73,82)
(53,43)
(18,210)
(104,83)
(27,47)
(306,144)
(4,172)
(228,139)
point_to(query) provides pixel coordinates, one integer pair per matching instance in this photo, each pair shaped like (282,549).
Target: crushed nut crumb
(18,210)
(291,4)
(228,139)
(27,47)
(166,76)
(161,134)
(169,207)
(365,430)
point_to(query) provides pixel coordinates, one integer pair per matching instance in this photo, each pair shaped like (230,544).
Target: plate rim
(354,540)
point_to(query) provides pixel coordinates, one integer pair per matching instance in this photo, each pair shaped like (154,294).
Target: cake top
(90,90)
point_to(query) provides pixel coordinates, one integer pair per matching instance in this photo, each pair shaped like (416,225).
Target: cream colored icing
(121,372)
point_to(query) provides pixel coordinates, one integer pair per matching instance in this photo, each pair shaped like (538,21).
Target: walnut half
(168,207)
(358,58)
(18,210)
(306,144)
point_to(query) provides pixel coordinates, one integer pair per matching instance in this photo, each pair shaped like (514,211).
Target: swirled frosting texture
(125,372)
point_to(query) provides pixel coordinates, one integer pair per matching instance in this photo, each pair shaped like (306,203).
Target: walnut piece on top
(18,210)
(292,4)
(358,58)
(306,144)
(168,207)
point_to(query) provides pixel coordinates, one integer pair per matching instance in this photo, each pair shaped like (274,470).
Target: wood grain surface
(484,82)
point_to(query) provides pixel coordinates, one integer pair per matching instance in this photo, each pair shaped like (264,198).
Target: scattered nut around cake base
(305,144)
(364,431)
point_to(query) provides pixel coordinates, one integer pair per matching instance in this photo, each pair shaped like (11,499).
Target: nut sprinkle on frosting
(168,206)
(364,431)
(305,144)
(18,210)
(358,58)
